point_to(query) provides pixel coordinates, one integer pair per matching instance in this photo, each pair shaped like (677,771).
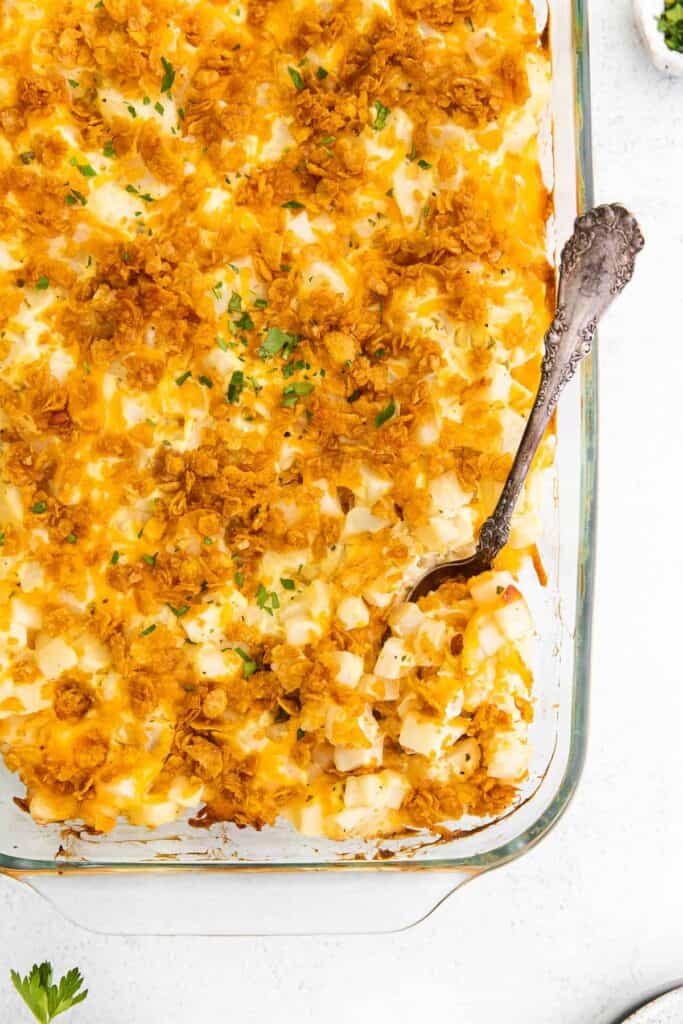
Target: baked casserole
(274,288)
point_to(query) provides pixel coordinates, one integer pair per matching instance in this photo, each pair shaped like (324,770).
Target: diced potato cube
(406,619)
(383,789)
(55,657)
(353,613)
(393,660)
(487,588)
(514,620)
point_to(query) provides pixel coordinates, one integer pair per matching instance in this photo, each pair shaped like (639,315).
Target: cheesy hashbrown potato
(273,291)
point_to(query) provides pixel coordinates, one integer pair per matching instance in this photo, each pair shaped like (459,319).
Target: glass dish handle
(247,902)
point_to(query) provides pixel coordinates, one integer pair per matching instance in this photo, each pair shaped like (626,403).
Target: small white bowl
(647,13)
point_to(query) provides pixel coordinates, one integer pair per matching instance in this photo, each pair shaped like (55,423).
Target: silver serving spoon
(597,263)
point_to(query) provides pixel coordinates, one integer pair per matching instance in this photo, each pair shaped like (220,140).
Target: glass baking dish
(180,879)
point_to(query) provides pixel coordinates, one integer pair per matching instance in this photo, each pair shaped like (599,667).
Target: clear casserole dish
(226,880)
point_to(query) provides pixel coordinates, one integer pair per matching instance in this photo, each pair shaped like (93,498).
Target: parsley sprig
(45,1000)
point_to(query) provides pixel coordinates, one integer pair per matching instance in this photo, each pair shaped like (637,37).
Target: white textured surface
(581,928)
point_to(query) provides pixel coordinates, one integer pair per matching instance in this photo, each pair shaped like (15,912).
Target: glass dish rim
(510,850)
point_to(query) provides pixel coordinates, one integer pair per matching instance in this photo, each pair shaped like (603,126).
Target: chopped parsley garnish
(385,414)
(413,153)
(179,612)
(2,538)
(39,508)
(150,629)
(73,197)
(300,733)
(205,381)
(276,341)
(291,368)
(27,156)
(131,110)
(109,148)
(287,584)
(239,578)
(71,538)
(146,100)
(250,666)
(424,164)
(260,303)
(389,193)
(150,559)
(115,558)
(222,343)
(293,392)
(296,78)
(321,73)
(293,204)
(235,303)
(267,600)
(42,283)
(235,387)
(159,108)
(183,377)
(381,115)
(73,83)
(216,290)
(245,323)
(86,170)
(354,396)
(169,75)
(328,140)
(670,23)
(145,196)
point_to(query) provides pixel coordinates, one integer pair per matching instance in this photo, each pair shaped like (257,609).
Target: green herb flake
(239,578)
(287,584)
(381,115)
(109,148)
(260,303)
(424,164)
(250,666)
(71,538)
(235,387)
(27,157)
(2,538)
(169,75)
(131,110)
(179,612)
(385,414)
(73,197)
(670,23)
(159,108)
(146,100)
(293,392)
(413,153)
(150,629)
(73,83)
(42,283)
(267,600)
(205,381)
(45,1000)
(115,557)
(86,170)
(296,78)
(221,343)
(321,73)
(278,341)
(354,396)
(235,303)
(293,204)
(150,559)
(245,323)
(183,377)
(39,508)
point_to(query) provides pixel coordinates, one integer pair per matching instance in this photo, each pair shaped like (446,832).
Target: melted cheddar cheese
(273,288)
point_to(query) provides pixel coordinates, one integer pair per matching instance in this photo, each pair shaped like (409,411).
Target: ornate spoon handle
(597,263)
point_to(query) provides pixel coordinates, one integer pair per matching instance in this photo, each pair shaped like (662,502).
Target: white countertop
(580,928)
